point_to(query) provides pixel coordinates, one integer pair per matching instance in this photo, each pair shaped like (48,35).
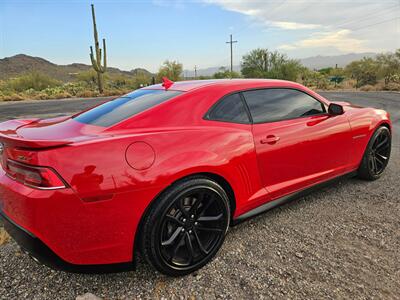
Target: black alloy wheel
(380,152)
(377,154)
(186,227)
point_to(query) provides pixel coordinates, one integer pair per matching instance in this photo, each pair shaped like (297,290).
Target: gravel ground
(340,242)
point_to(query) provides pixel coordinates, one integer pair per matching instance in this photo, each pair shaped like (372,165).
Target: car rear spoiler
(18,142)
(9,136)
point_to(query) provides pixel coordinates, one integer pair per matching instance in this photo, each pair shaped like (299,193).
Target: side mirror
(335,109)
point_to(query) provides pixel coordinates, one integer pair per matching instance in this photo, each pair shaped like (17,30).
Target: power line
(231,43)
(269,24)
(367,16)
(370,25)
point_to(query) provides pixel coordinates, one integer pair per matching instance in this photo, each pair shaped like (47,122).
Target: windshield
(119,109)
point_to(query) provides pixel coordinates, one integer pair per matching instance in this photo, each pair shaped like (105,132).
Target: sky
(146,33)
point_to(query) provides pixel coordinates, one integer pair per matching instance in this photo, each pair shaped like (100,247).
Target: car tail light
(35,177)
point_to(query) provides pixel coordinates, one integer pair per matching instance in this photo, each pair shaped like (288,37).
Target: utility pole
(231,42)
(195,72)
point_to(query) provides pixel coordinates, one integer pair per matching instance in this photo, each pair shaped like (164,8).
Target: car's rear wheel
(185,227)
(377,154)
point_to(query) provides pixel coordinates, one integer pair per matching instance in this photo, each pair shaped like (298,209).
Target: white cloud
(294,25)
(339,25)
(341,39)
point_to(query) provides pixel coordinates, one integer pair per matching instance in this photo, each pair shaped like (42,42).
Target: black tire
(185,226)
(376,155)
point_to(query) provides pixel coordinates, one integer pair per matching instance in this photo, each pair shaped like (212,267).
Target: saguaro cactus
(96,60)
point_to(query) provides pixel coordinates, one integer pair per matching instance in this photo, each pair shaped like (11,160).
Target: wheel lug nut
(196,223)
(184,220)
(192,216)
(183,230)
(190,231)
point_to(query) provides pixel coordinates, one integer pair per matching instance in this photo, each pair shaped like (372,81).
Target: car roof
(189,85)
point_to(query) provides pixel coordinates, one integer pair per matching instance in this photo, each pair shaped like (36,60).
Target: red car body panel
(113,174)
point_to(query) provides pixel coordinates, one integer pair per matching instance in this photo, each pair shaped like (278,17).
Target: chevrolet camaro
(165,170)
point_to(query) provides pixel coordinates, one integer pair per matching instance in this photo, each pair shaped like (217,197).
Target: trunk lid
(37,133)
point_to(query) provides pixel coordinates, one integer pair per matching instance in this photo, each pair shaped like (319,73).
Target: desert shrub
(74,88)
(364,71)
(88,77)
(380,86)
(314,79)
(33,80)
(348,84)
(87,94)
(11,97)
(225,73)
(368,88)
(4,237)
(392,86)
(120,81)
(61,95)
(116,92)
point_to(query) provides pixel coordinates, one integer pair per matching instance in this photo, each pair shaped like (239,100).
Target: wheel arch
(385,124)
(223,182)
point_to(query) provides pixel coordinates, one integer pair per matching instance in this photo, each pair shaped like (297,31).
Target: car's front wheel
(376,155)
(185,227)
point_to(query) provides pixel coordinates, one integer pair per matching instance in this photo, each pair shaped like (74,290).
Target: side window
(230,109)
(271,105)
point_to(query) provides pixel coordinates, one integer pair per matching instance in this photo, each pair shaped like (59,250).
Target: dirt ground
(339,242)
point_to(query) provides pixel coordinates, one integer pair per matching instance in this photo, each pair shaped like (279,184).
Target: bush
(11,97)
(116,92)
(392,86)
(34,80)
(87,94)
(225,73)
(368,88)
(314,79)
(4,237)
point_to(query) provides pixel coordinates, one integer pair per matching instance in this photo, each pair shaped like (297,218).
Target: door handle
(270,139)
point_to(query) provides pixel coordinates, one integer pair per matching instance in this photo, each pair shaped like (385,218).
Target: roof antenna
(166,83)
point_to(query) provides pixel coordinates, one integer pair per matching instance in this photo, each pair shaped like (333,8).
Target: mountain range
(19,64)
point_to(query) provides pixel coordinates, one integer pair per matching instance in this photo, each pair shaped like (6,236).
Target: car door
(298,143)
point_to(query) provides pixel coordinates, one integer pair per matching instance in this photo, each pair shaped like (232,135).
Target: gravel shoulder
(339,242)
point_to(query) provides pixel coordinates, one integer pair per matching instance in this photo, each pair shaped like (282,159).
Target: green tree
(389,66)
(261,63)
(326,71)
(225,73)
(364,71)
(170,69)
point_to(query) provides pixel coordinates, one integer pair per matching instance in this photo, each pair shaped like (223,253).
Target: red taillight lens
(36,177)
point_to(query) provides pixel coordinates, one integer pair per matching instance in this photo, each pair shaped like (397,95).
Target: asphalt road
(339,242)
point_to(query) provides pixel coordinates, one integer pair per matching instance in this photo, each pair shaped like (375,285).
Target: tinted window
(124,107)
(230,109)
(279,104)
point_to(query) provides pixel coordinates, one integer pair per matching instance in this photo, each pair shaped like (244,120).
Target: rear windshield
(119,109)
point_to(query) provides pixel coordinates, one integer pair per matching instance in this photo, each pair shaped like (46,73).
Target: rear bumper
(60,229)
(43,254)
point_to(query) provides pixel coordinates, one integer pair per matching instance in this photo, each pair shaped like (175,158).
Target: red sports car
(167,168)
